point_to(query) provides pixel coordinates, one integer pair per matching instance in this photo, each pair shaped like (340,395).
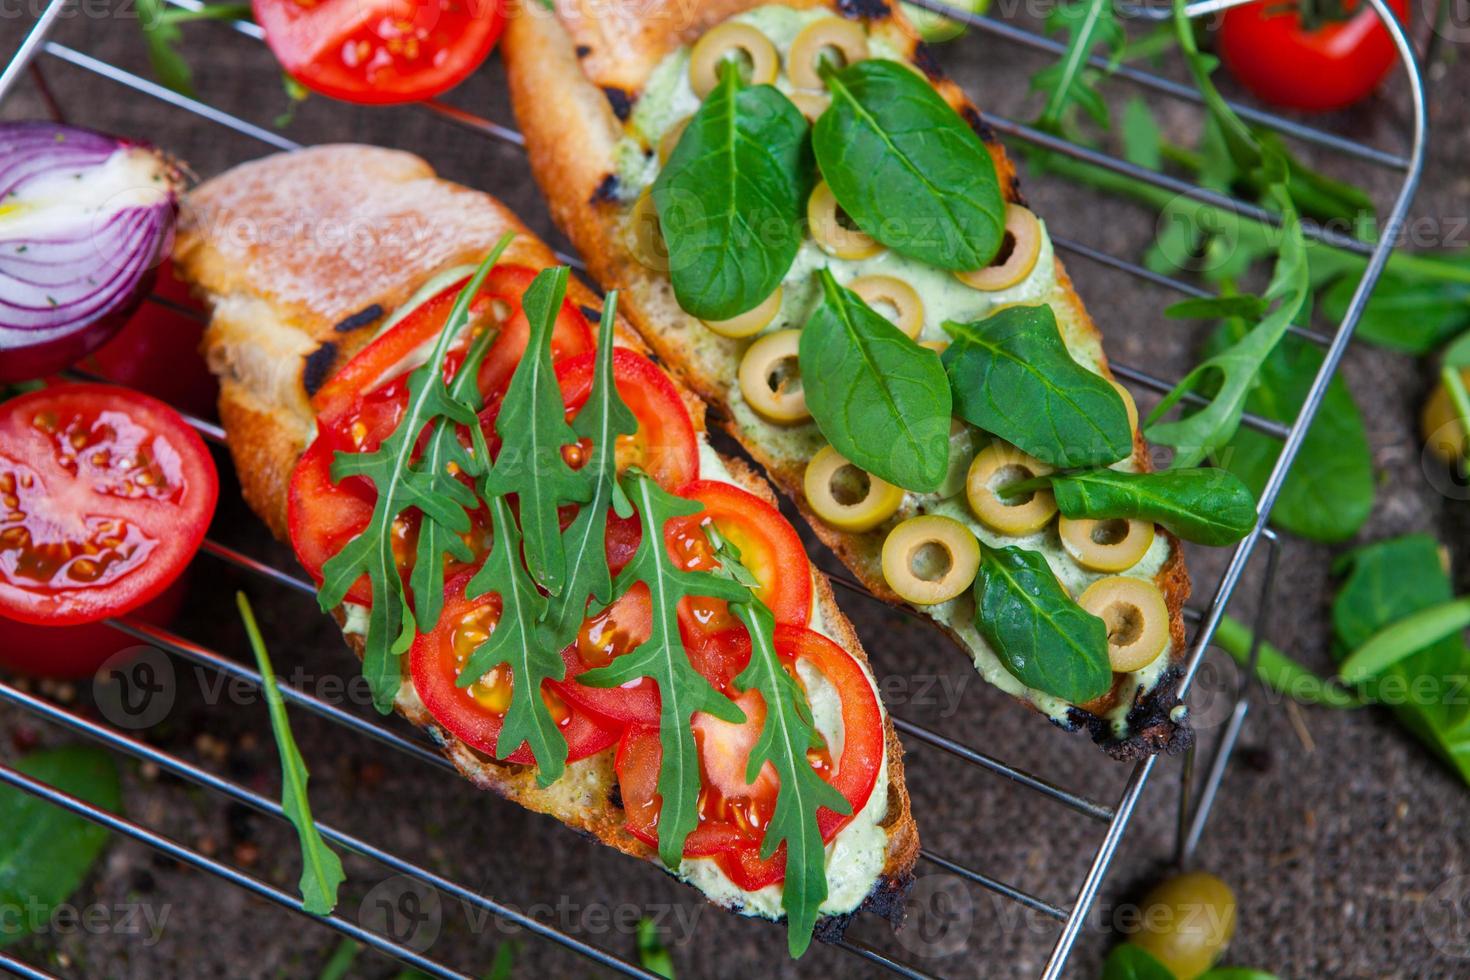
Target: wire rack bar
(22,969)
(179,852)
(997,886)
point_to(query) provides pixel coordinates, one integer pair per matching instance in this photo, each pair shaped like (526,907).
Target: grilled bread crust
(573,74)
(299,256)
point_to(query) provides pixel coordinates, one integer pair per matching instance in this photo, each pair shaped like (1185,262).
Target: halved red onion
(85,219)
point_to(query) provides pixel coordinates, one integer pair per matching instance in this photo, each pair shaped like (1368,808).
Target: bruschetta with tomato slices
(359,329)
(815,230)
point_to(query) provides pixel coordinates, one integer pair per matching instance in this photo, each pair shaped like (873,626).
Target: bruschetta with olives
(515,517)
(815,230)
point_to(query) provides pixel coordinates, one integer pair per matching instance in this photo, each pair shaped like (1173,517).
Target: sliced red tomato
(476,714)
(380,51)
(617,630)
(734,813)
(665,446)
(769,548)
(570,337)
(105,495)
(73,653)
(1331,66)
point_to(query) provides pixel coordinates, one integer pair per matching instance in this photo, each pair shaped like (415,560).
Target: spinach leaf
(1385,582)
(1204,432)
(45,851)
(321,869)
(907,169)
(1206,506)
(1130,962)
(1403,314)
(1012,376)
(1041,636)
(1279,672)
(732,196)
(1405,637)
(1088,24)
(663,658)
(878,397)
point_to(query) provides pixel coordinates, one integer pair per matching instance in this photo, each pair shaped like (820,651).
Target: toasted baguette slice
(299,256)
(575,76)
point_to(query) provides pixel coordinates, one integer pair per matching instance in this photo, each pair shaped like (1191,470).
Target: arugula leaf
(1328,495)
(653,955)
(1248,153)
(1403,314)
(1088,23)
(1206,506)
(339,964)
(732,196)
(402,485)
(1279,672)
(516,642)
(662,657)
(878,397)
(1041,636)
(602,419)
(1206,431)
(1012,376)
(1143,142)
(321,872)
(1130,962)
(46,852)
(1385,582)
(907,169)
(533,431)
(789,731)
(162,36)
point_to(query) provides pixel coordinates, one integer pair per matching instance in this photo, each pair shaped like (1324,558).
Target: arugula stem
(214,11)
(1280,672)
(1459,398)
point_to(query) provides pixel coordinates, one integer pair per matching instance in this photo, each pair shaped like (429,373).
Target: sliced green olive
(846,497)
(885,293)
(829,227)
(732,39)
(1129,405)
(840,42)
(1019,249)
(1136,616)
(670,139)
(995,466)
(1187,921)
(770,379)
(811,104)
(937,346)
(930,559)
(644,237)
(1109,545)
(752,321)
(1440,424)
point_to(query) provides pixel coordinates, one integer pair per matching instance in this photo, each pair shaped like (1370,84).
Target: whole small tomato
(1329,64)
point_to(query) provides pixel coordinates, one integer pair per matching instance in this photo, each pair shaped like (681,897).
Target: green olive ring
(880,500)
(830,34)
(731,39)
(943,542)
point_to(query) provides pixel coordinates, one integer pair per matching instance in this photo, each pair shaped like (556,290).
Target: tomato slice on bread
(476,714)
(380,51)
(105,495)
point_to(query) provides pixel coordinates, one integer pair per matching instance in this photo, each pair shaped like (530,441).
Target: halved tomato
(380,51)
(476,714)
(617,630)
(769,548)
(665,446)
(105,495)
(734,813)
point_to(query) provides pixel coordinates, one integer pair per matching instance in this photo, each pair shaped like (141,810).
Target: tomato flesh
(1331,67)
(476,714)
(380,51)
(73,653)
(105,495)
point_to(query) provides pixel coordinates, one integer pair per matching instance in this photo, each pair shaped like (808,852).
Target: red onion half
(85,220)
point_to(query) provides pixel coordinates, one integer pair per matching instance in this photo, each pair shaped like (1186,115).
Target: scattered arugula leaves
(1042,637)
(1088,25)
(877,396)
(732,197)
(663,658)
(321,872)
(402,484)
(653,955)
(339,964)
(1128,961)
(161,35)
(1012,376)
(906,168)
(1203,505)
(46,851)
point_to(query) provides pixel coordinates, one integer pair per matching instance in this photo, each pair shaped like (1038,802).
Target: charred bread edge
(265,450)
(551,96)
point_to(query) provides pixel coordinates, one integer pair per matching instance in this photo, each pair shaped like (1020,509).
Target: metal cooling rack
(1196,796)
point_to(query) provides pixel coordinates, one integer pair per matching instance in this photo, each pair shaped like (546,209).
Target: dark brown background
(1334,828)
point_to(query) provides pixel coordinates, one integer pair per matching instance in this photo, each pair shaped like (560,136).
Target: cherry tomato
(476,714)
(105,495)
(665,446)
(72,653)
(734,813)
(380,51)
(617,630)
(157,350)
(769,547)
(1330,67)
